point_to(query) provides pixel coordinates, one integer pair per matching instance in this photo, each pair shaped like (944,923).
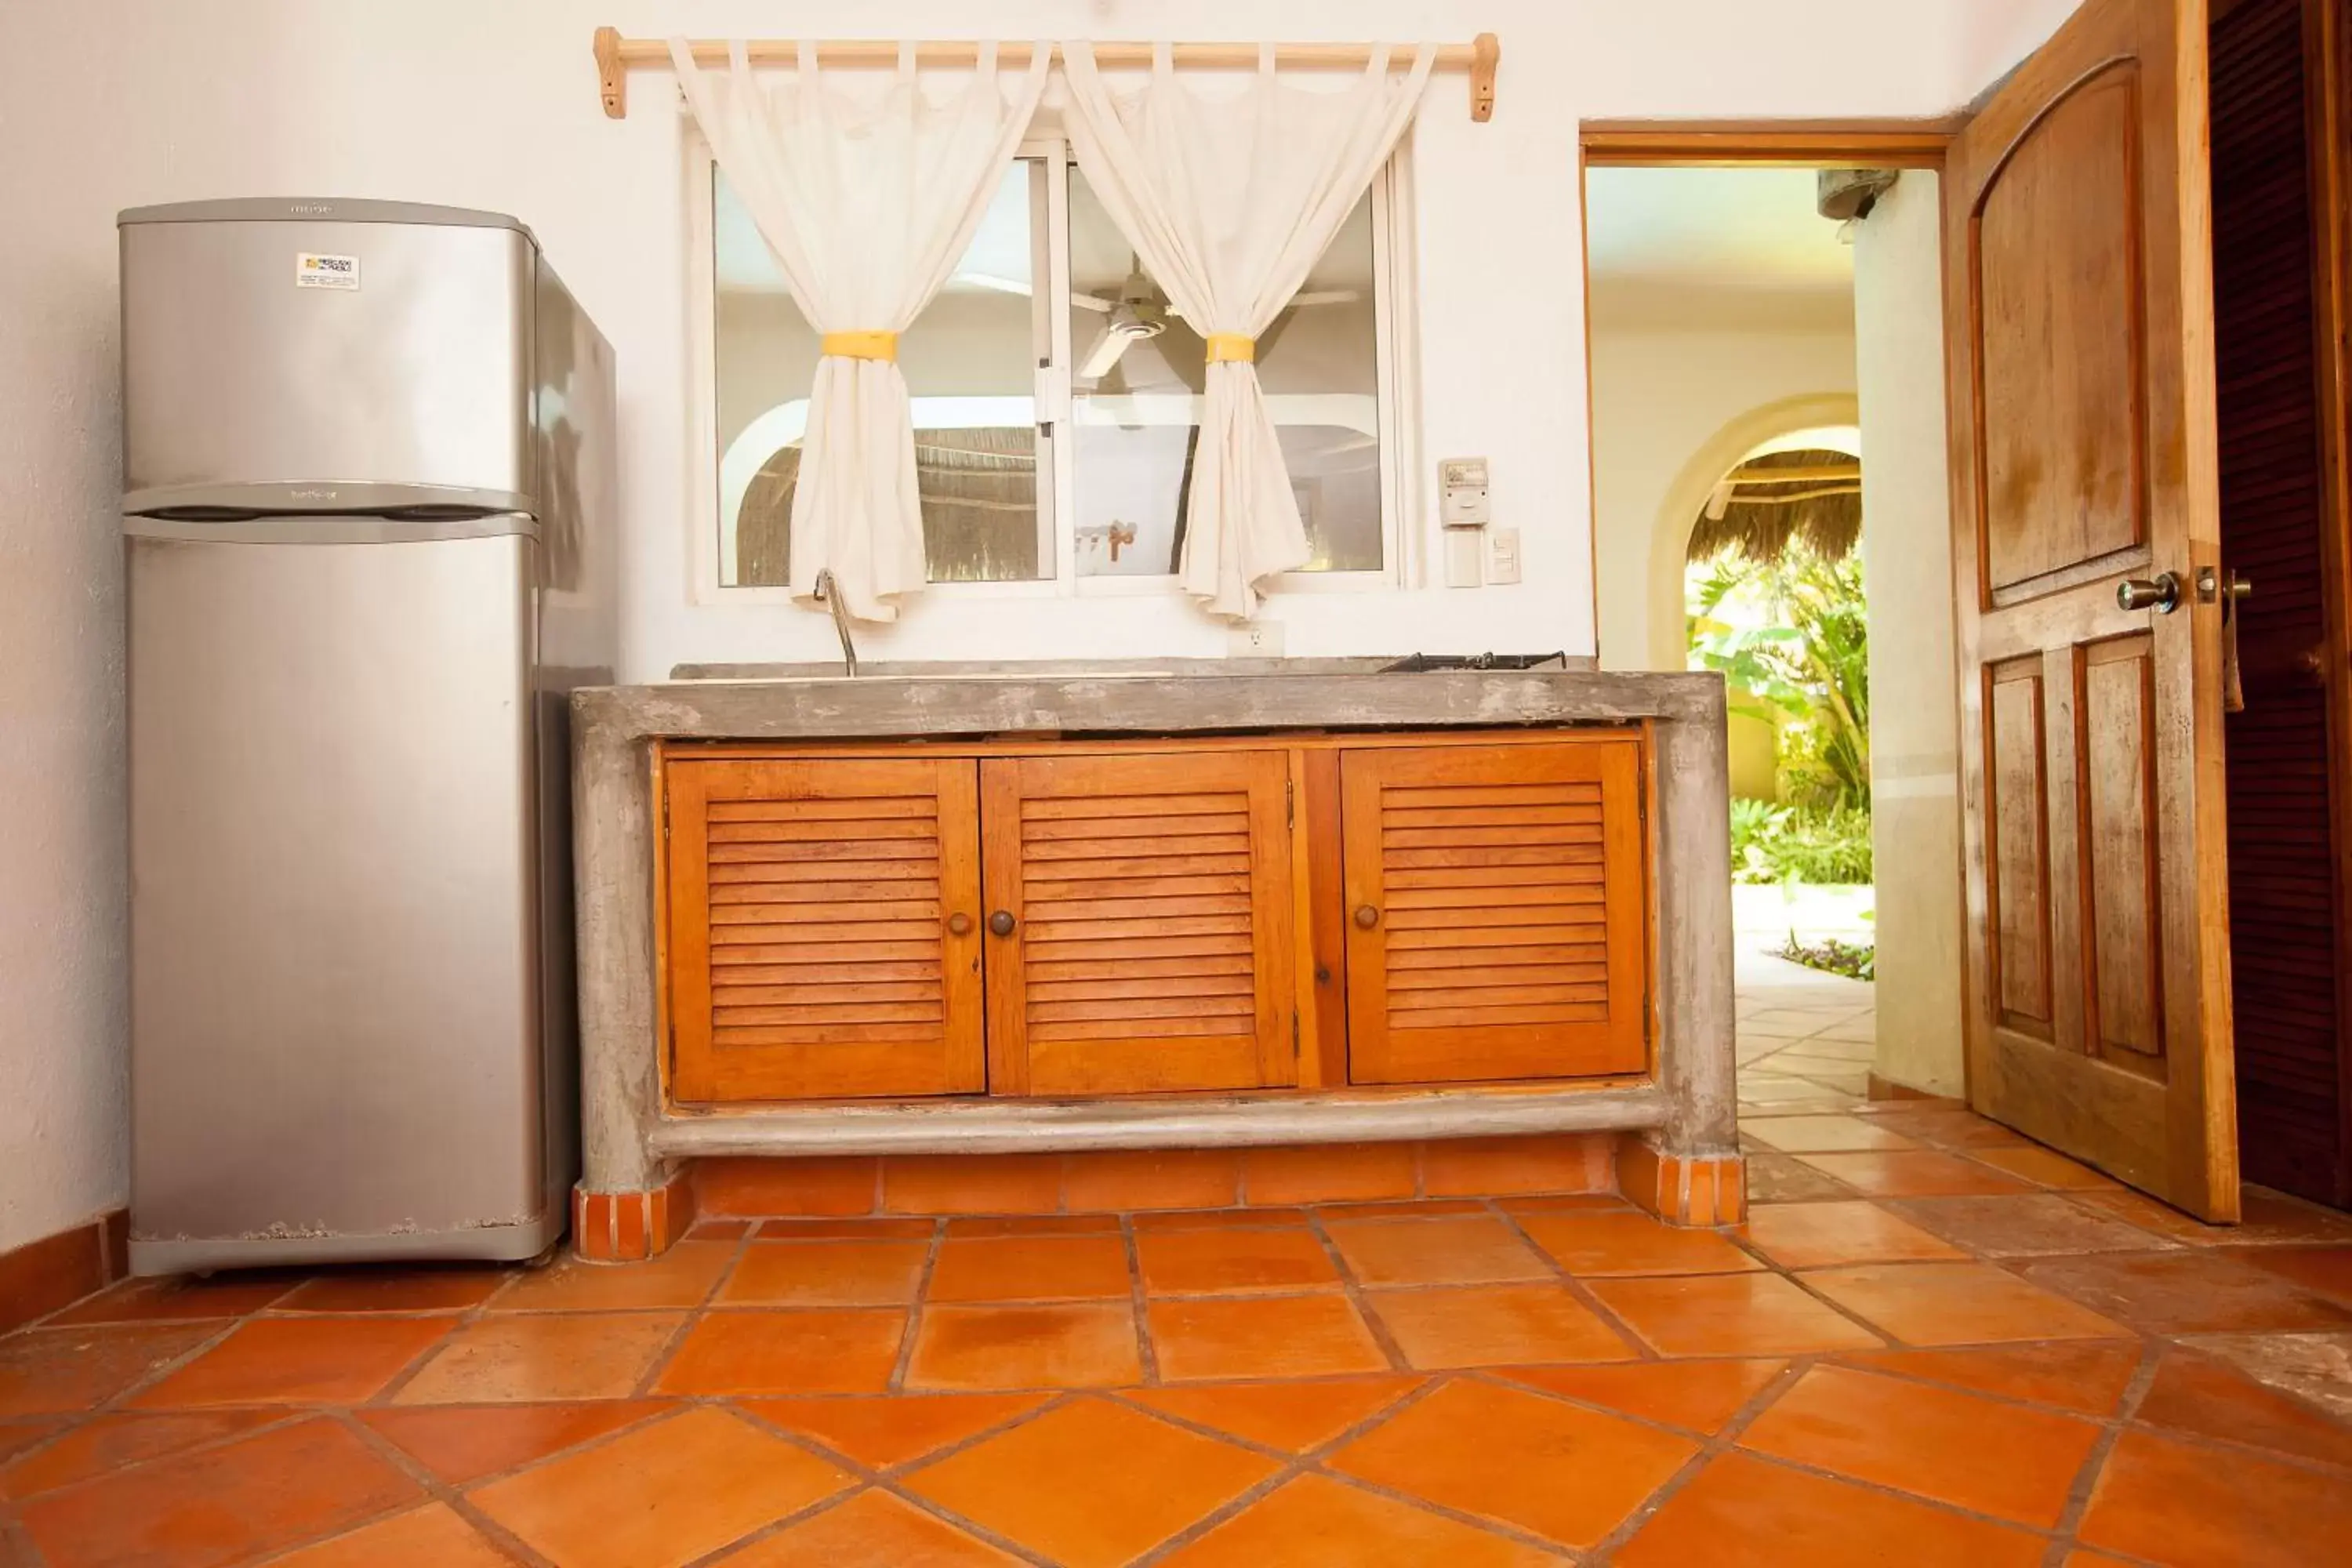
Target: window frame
(1396,390)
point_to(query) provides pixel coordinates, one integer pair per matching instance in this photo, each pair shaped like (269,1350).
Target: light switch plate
(1253,639)
(1463,548)
(1502,556)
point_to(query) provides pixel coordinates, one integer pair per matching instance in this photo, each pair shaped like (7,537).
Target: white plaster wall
(1906,568)
(110,103)
(1660,399)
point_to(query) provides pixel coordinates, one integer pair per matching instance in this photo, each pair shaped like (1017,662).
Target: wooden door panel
(808,909)
(1150,946)
(2017,805)
(2078,279)
(2119,715)
(1504,888)
(2059,368)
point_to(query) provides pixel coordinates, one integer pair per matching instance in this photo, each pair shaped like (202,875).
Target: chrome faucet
(828,593)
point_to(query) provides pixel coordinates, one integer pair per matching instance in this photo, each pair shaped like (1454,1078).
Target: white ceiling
(1738,231)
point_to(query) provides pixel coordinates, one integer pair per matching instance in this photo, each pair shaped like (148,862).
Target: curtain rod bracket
(617,56)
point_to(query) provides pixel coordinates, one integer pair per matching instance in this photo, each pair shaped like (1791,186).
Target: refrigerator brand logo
(314,270)
(309,209)
(313,495)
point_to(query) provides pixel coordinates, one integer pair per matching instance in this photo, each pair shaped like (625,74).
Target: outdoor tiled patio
(1934,1344)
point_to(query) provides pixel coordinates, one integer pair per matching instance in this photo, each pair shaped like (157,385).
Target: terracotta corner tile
(872,1528)
(1295,1416)
(1697,1395)
(1314,1518)
(1330,1172)
(434,1535)
(1152,1179)
(1633,1243)
(1742,1507)
(890,1430)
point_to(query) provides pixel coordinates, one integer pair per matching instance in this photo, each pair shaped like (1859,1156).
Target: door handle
(1001,922)
(2162,596)
(959,924)
(1367,917)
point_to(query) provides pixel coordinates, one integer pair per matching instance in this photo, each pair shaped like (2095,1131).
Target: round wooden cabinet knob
(959,924)
(1001,923)
(1367,916)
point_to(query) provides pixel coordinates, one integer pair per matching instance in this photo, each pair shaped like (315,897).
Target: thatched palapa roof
(1813,495)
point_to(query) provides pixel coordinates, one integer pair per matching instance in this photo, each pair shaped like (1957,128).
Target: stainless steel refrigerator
(368,498)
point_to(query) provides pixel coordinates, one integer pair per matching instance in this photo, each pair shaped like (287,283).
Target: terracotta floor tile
(2045,1167)
(880,1229)
(2087,1376)
(1564,1203)
(1330,1172)
(47,1370)
(1293,1417)
(1629,1242)
(1031,1268)
(1315,1520)
(872,1530)
(601,1356)
(972,1226)
(1152,1179)
(2322,1270)
(281,1360)
(1219,1219)
(2195,1395)
(2265,1217)
(1957,1304)
(678,1280)
(1973,1453)
(1225,1261)
(1495,1325)
(1199,1337)
(662,1495)
(464,1443)
(2172,1503)
(181,1297)
(1543,1466)
(1785,1179)
(1730,1315)
(1743,1512)
(1824,1134)
(1079,1344)
(834,1350)
(827,1274)
(117,1442)
(1946,1127)
(2024,1224)
(1697,1395)
(721,1229)
(1466,1249)
(412,1289)
(433,1534)
(884,1432)
(1091,1483)
(223,1505)
(27,1433)
(2187,1292)
(1914,1173)
(968,1183)
(1817,1236)
(1405,1208)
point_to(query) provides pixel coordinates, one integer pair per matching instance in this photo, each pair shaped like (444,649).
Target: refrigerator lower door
(336,1040)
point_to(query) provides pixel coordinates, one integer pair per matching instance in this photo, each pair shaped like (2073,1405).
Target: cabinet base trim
(1006,1127)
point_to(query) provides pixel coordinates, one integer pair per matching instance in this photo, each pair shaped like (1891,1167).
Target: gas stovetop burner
(1418,663)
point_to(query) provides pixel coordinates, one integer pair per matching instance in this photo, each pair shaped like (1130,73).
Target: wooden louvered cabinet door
(1497,911)
(1140,910)
(814,916)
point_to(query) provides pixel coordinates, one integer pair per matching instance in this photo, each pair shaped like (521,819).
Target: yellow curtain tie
(860,345)
(1232,347)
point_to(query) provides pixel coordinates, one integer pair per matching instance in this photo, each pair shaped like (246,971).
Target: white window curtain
(867,206)
(1230,201)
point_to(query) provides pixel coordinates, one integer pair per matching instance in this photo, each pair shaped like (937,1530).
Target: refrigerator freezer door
(297,364)
(335,914)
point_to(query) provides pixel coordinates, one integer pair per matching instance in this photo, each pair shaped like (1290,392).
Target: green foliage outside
(1820,845)
(1791,630)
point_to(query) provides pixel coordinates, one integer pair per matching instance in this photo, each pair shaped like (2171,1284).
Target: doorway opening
(1771,504)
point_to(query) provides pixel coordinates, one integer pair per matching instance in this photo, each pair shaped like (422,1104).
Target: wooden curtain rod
(616,56)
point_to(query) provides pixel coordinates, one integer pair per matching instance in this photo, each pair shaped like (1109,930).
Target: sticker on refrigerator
(314,270)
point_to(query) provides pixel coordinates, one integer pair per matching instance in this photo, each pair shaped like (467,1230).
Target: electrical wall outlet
(1253,639)
(1502,556)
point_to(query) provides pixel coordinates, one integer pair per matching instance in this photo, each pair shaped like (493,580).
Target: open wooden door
(2079,335)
